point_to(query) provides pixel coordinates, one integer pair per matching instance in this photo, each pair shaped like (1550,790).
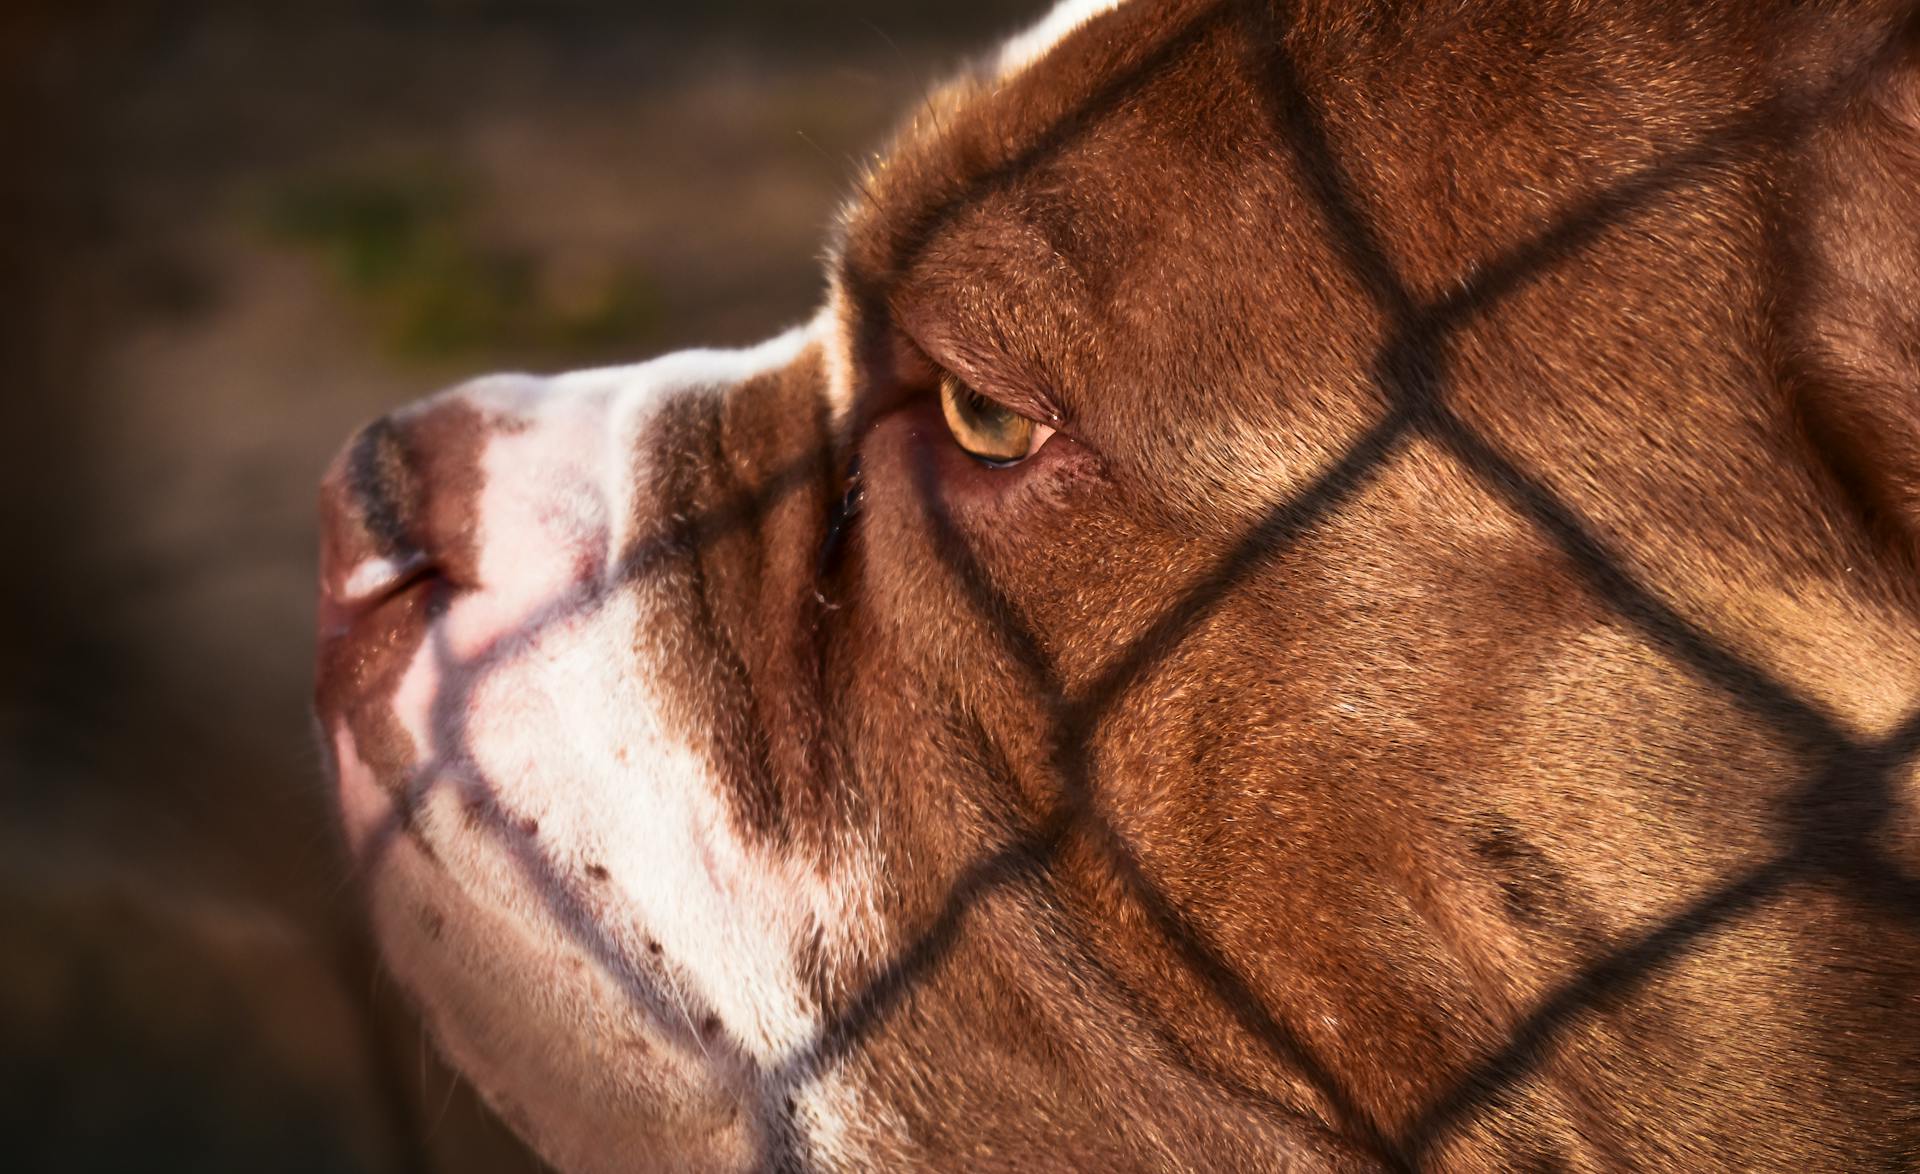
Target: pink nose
(396,506)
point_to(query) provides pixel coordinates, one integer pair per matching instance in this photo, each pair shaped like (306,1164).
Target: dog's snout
(499,489)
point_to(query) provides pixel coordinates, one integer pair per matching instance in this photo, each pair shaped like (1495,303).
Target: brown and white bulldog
(1333,587)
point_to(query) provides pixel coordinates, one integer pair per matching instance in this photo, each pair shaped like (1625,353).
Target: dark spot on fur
(1527,880)
(653,947)
(597,872)
(529,826)
(477,809)
(432,922)
(709,1027)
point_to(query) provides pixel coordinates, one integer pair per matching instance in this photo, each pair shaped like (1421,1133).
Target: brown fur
(1446,697)
(1483,749)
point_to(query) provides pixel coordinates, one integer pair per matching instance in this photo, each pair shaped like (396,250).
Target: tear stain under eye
(838,524)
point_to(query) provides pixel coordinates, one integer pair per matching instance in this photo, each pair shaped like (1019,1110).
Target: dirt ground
(232,231)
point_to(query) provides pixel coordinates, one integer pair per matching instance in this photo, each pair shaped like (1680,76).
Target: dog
(1333,587)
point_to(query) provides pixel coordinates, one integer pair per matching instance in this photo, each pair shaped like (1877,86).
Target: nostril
(377,578)
(369,500)
(400,503)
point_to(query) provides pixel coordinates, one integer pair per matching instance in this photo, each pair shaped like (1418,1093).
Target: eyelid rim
(1036,440)
(989,371)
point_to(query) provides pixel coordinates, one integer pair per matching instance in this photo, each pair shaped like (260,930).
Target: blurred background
(230,232)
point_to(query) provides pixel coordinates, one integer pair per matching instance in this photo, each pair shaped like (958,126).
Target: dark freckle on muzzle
(479,812)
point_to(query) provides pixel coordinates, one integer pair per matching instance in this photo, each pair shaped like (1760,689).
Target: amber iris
(985,430)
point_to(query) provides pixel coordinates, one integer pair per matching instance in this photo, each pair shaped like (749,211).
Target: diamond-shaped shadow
(1827,835)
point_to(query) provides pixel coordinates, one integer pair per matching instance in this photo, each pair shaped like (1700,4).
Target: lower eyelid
(966,481)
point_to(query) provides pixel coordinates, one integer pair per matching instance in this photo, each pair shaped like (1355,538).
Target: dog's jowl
(1334,585)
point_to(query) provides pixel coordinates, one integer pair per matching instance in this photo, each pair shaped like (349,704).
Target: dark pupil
(992,417)
(985,428)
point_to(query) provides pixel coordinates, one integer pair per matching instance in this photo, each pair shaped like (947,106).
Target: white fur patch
(845,1128)
(602,410)
(832,326)
(558,801)
(1020,52)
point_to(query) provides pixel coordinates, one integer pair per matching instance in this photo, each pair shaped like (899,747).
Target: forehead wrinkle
(905,202)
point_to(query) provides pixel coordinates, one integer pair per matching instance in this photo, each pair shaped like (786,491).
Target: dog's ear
(1852,309)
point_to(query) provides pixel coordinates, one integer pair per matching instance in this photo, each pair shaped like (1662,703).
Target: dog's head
(1329,588)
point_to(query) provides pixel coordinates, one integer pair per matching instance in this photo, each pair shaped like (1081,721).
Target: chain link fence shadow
(1825,836)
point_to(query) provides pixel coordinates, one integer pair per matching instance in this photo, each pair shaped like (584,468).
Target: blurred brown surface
(231,232)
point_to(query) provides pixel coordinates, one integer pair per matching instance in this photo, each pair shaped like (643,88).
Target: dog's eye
(987,431)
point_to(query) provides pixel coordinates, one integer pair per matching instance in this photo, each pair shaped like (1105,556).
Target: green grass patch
(402,246)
